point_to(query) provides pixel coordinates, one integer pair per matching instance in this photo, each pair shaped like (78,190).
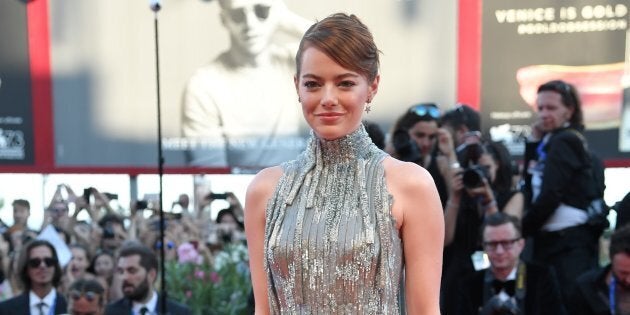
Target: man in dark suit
(594,289)
(509,286)
(137,267)
(39,273)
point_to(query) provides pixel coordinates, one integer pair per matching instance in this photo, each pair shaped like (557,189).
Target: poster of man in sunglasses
(261,126)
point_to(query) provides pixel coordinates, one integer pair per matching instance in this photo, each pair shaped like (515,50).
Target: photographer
(228,229)
(480,186)
(560,185)
(510,286)
(416,138)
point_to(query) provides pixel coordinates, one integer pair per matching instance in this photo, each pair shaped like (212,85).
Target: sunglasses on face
(426,110)
(506,244)
(169,245)
(89,295)
(239,15)
(36,262)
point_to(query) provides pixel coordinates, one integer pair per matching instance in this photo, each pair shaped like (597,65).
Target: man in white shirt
(138,267)
(40,273)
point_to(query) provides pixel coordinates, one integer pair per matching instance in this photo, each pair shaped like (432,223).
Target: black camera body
(87,192)
(216,196)
(473,173)
(406,149)
(142,204)
(473,176)
(497,306)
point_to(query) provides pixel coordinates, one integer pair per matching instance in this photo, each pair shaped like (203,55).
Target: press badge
(480,260)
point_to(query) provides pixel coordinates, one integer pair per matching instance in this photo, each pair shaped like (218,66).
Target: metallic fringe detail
(331,245)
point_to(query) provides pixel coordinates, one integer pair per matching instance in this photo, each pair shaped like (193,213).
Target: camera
(473,176)
(498,306)
(87,192)
(142,204)
(215,196)
(473,173)
(406,149)
(470,153)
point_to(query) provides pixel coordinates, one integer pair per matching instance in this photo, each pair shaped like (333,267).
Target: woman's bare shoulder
(405,174)
(265,182)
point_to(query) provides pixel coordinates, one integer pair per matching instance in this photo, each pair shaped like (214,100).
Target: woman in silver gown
(332,231)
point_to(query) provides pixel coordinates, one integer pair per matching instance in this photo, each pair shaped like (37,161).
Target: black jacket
(590,296)
(567,177)
(21,305)
(542,294)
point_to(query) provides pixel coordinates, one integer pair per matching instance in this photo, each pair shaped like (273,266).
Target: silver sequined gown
(331,245)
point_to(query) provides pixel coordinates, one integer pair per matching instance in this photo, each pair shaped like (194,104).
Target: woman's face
(552,113)
(79,261)
(333,98)
(490,164)
(104,266)
(424,133)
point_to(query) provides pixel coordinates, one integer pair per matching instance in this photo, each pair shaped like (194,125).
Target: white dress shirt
(49,301)
(151,305)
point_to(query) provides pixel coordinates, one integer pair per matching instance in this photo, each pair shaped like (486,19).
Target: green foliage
(219,288)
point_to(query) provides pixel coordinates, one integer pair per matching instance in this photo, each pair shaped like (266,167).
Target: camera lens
(406,148)
(473,177)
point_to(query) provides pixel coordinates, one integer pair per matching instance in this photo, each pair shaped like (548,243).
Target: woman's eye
(347,84)
(310,84)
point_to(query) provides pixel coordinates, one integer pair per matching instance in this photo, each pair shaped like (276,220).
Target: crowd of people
(520,238)
(109,263)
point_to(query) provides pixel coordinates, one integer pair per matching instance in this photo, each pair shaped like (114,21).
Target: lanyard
(611,295)
(542,155)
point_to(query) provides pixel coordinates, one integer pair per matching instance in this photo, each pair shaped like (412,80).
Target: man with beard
(39,273)
(137,268)
(509,286)
(606,290)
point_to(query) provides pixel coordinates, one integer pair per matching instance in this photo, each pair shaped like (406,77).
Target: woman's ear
(373,88)
(296,81)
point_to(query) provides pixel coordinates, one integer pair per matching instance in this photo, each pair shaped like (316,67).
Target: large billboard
(584,42)
(16,123)
(90,69)
(221,111)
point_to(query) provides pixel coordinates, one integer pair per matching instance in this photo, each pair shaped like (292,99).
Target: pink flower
(187,253)
(188,294)
(214,277)
(199,274)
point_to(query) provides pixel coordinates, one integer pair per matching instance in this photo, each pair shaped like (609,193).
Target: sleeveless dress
(331,245)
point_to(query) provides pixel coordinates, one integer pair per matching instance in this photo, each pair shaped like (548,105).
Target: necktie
(144,311)
(508,286)
(40,307)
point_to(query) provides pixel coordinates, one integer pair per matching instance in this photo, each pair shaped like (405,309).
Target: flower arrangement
(222,287)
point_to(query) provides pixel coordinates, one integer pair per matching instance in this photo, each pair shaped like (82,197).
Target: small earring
(368,108)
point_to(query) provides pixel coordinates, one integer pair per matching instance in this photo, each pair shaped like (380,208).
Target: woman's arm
(515,205)
(418,209)
(259,192)
(451,210)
